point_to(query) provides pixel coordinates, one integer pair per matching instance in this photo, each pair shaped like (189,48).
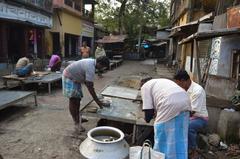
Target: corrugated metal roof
(210,34)
(160,44)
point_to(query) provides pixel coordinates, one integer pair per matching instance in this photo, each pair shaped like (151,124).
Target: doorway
(16,42)
(56,43)
(71,45)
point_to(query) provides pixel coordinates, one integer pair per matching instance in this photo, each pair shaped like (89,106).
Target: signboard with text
(87,30)
(17,13)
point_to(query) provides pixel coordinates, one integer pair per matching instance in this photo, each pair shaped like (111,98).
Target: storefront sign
(87,30)
(16,13)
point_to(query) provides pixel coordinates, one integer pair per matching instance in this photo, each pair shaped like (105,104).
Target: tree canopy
(127,16)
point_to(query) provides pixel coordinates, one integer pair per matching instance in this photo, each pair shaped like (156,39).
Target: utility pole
(144,2)
(139,37)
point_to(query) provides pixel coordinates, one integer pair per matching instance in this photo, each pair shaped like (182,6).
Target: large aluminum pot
(104,143)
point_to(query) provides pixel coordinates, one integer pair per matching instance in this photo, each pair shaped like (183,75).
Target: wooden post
(183,56)
(3,43)
(196,54)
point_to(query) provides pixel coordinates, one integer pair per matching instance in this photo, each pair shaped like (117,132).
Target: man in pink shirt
(55,63)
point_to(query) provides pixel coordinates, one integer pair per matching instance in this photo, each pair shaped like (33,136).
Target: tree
(121,16)
(129,15)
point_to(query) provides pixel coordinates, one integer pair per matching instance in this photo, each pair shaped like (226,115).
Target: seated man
(24,67)
(55,63)
(199,115)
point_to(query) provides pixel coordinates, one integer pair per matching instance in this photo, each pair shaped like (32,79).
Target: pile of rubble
(211,147)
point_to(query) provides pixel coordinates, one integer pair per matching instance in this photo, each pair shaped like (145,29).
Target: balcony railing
(44,4)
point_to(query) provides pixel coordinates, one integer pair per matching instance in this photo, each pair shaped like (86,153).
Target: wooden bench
(8,98)
(44,77)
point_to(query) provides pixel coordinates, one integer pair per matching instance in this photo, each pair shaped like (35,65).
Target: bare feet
(79,128)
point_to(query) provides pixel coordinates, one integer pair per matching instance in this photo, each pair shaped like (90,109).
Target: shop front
(22,32)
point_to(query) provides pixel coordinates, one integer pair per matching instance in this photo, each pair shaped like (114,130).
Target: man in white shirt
(199,113)
(170,104)
(99,52)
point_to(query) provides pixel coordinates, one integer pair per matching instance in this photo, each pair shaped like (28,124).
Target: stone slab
(120,92)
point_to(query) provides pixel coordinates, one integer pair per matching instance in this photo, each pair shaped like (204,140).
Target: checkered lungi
(71,89)
(171,137)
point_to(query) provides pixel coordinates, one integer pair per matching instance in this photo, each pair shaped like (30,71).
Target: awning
(11,12)
(210,34)
(189,27)
(153,40)
(112,39)
(160,44)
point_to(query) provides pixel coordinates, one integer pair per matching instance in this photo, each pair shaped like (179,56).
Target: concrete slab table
(7,98)
(47,79)
(121,110)
(120,92)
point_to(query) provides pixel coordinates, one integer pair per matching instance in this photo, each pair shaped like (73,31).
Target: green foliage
(106,14)
(150,13)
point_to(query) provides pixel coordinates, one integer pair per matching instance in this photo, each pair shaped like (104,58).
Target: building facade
(22,25)
(184,16)
(72,24)
(205,43)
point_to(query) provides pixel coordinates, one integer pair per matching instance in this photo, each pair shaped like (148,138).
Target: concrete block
(220,87)
(228,126)
(213,113)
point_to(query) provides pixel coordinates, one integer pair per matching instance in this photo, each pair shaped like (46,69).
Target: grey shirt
(81,71)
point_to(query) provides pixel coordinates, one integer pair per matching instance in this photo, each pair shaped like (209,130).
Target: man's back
(81,70)
(22,62)
(166,97)
(53,60)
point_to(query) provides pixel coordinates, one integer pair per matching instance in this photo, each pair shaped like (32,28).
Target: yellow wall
(71,24)
(48,42)
(48,36)
(183,19)
(197,15)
